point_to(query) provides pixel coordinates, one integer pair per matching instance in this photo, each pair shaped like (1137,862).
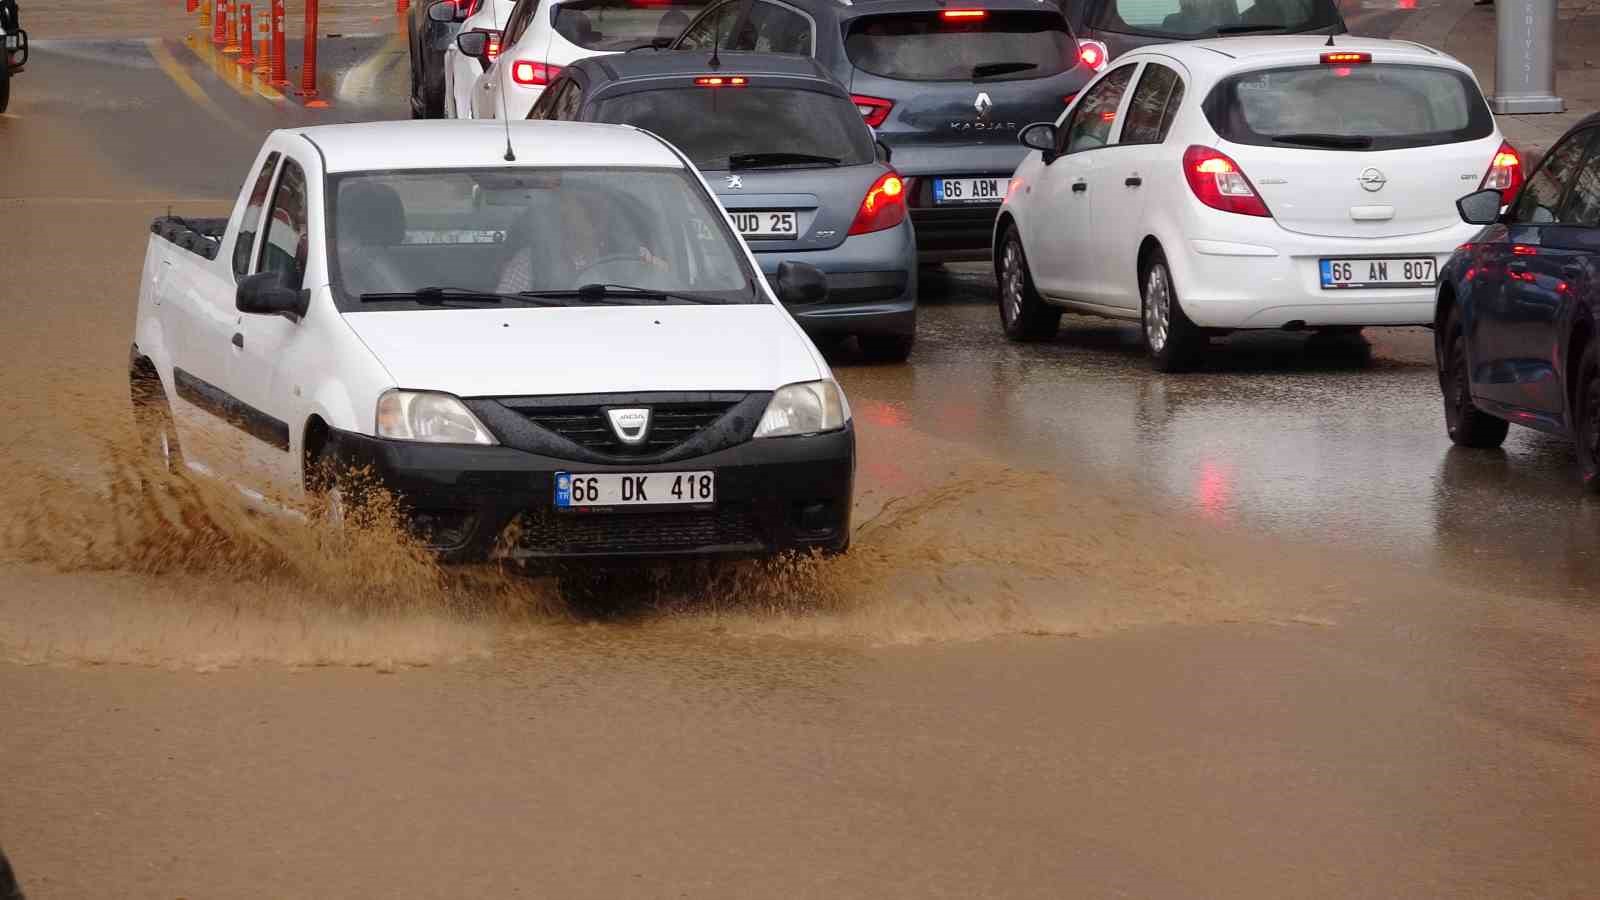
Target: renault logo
(631,426)
(735,183)
(1372,180)
(983,105)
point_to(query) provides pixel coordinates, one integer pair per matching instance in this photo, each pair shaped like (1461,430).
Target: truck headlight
(810,407)
(429,417)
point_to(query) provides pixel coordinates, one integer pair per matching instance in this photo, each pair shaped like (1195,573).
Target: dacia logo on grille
(631,426)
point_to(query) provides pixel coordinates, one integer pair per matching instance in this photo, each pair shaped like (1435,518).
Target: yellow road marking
(242,80)
(181,78)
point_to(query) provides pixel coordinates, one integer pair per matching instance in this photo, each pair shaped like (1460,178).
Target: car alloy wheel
(1011,279)
(1157,307)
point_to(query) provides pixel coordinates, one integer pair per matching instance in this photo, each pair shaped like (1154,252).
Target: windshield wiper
(439,296)
(986,70)
(755,160)
(614,294)
(1332,141)
(1248,29)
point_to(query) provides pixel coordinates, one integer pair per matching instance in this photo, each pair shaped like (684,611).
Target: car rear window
(617,25)
(1190,19)
(1358,107)
(748,127)
(931,46)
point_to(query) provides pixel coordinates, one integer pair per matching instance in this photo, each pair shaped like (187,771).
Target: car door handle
(1079,187)
(1133,181)
(238,339)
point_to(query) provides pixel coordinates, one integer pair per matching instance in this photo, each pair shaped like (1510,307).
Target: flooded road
(1252,632)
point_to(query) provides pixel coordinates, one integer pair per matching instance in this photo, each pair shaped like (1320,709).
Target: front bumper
(872,284)
(1273,279)
(470,503)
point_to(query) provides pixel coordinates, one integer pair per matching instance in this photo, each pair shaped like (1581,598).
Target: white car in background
(461,71)
(1248,182)
(542,36)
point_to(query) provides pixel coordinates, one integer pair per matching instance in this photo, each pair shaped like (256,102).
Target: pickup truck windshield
(511,231)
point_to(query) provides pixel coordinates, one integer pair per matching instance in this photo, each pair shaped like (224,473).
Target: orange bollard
(400,6)
(308,66)
(264,55)
(219,34)
(280,75)
(191,6)
(205,15)
(247,53)
(233,29)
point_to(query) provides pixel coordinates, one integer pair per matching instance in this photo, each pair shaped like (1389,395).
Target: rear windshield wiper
(1248,29)
(614,293)
(988,70)
(1333,141)
(756,160)
(439,296)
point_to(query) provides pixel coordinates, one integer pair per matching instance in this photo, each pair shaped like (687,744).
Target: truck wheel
(5,84)
(335,494)
(1467,425)
(1174,342)
(152,418)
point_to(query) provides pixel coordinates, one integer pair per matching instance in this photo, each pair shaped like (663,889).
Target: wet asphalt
(1250,631)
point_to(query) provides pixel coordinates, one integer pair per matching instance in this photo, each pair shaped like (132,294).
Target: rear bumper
(954,233)
(1273,278)
(772,495)
(872,284)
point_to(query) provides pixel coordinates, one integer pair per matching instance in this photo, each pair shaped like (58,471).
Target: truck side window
(251,222)
(287,242)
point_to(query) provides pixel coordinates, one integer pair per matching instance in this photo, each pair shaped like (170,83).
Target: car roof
(878,7)
(647,64)
(1230,54)
(452,144)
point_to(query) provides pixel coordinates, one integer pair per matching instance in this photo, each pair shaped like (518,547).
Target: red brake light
(884,206)
(873,109)
(492,51)
(1345,58)
(721,81)
(1505,173)
(1219,183)
(965,14)
(1093,54)
(535,74)
(1524,250)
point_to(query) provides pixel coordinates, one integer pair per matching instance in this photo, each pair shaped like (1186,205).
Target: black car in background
(433,26)
(1113,27)
(1515,326)
(946,85)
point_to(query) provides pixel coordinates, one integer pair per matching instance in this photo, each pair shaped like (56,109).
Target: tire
(1175,344)
(1024,315)
(886,348)
(5,84)
(1467,425)
(1586,417)
(335,495)
(152,417)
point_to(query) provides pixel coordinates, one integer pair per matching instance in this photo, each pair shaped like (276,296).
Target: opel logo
(983,105)
(1372,180)
(631,426)
(735,183)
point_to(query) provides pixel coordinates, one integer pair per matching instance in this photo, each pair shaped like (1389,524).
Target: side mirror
(269,294)
(884,153)
(1040,136)
(1480,208)
(446,12)
(801,283)
(474,44)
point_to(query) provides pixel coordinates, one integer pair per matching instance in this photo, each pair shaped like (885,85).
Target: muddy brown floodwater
(1047,667)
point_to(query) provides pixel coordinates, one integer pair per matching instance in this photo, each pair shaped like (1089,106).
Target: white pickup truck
(555,326)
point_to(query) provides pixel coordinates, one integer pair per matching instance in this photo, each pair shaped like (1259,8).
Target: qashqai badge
(631,426)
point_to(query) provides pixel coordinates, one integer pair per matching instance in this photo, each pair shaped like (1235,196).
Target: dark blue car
(1515,322)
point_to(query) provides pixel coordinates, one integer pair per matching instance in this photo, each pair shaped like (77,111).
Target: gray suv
(946,85)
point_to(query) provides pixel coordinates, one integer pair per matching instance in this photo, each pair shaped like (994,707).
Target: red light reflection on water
(1214,491)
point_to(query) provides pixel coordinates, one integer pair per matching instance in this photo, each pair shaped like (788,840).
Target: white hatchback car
(1264,182)
(461,71)
(542,36)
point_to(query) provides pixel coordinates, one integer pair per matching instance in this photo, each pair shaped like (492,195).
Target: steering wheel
(588,275)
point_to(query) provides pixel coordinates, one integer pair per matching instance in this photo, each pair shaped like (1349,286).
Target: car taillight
(1093,54)
(533,74)
(1219,183)
(874,109)
(965,14)
(1505,173)
(884,206)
